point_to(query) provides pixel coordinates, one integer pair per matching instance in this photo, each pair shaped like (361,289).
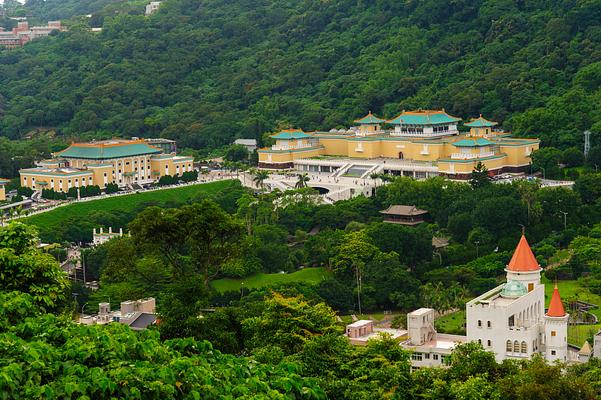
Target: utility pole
(358,276)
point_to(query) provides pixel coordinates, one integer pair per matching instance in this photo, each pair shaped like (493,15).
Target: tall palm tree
(374,177)
(260,177)
(302,181)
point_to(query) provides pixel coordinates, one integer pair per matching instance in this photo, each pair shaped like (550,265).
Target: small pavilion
(404,215)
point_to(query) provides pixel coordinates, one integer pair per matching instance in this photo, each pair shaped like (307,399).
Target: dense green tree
(25,268)
(572,157)
(237,152)
(589,187)
(479,176)
(287,323)
(547,161)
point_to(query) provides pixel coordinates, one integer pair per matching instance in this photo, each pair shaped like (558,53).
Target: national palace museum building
(123,162)
(419,144)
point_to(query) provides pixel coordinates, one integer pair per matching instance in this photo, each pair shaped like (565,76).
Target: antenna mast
(587,143)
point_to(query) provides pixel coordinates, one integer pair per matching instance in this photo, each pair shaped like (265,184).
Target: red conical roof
(556,306)
(523,259)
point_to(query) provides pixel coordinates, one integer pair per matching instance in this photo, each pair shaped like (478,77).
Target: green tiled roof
(291,134)
(369,119)
(103,152)
(426,117)
(473,143)
(480,123)
(34,171)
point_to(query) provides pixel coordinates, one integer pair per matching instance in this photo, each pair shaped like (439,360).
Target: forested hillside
(204,72)
(46,10)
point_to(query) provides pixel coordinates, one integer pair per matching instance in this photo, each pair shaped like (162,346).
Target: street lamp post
(565,220)
(477,242)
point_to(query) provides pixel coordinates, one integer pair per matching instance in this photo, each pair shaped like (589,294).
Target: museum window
(488,324)
(516,346)
(553,333)
(509,347)
(479,324)
(435,357)
(552,352)
(488,343)
(427,356)
(416,356)
(524,347)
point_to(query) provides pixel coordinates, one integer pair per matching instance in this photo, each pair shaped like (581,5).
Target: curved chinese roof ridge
(480,122)
(556,306)
(4,181)
(424,117)
(291,134)
(369,119)
(513,290)
(523,259)
(108,149)
(473,143)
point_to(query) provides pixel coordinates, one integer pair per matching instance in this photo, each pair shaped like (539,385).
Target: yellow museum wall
(519,155)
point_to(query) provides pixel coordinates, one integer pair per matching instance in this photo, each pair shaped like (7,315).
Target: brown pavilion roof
(405,211)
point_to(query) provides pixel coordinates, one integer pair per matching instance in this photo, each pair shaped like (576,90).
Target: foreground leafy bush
(50,357)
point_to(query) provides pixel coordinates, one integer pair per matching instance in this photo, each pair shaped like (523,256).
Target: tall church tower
(523,266)
(556,329)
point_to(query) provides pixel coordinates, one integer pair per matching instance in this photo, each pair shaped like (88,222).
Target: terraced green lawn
(573,290)
(126,203)
(307,275)
(577,334)
(453,323)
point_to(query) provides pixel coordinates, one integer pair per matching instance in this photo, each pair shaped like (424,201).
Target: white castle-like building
(509,320)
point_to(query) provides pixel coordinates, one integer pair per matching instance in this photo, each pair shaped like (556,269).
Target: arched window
(524,347)
(509,347)
(516,347)
(479,323)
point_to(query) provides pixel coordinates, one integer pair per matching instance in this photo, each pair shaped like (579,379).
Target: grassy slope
(573,290)
(307,275)
(451,323)
(124,203)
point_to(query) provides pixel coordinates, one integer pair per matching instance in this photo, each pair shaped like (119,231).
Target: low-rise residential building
(597,345)
(118,161)
(359,332)
(428,347)
(152,7)
(3,183)
(101,237)
(138,314)
(250,144)
(23,33)
(419,144)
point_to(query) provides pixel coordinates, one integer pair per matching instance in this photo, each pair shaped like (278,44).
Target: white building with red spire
(510,319)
